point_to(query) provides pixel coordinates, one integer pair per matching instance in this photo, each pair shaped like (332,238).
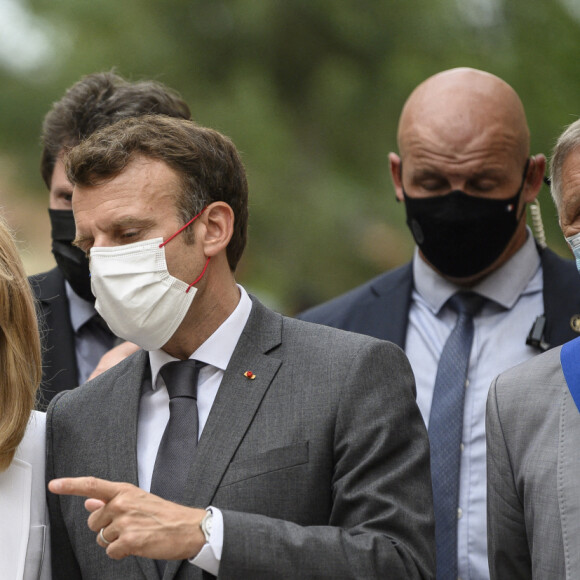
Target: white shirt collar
(218,349)
(503,286)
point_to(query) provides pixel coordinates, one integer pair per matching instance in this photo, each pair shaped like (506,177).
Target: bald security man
(465,174)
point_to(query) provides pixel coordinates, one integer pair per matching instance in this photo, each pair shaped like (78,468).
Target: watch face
(206,525)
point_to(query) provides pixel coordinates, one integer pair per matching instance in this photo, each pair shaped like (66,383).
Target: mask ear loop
(200,276)
(182,228)
(177,233)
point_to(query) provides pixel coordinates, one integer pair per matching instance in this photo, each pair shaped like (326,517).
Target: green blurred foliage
(310,91)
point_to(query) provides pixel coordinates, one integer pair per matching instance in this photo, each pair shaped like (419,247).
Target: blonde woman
(24,531)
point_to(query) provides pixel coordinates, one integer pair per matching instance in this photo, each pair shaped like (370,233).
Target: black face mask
(71,261)
(461,235)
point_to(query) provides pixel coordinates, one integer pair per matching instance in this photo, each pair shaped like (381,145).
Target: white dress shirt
(216,352)
(500,330)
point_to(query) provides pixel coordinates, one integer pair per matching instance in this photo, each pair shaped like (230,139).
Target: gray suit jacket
(533,473)
(320,465)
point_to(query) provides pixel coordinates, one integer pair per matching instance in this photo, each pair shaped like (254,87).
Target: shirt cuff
(210,555)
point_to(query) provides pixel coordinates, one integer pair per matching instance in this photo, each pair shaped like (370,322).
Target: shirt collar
(504,286)
(218,349)
(81,310)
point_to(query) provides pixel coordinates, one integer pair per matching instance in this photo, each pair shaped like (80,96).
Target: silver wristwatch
(206,524)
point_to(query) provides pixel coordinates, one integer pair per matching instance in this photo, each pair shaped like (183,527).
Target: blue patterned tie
(446,429)
(179,441)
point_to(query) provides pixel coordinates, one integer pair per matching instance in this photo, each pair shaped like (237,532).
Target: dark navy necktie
(446,429)
(179,441)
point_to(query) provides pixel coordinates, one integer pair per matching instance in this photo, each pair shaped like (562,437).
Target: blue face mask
(574,243)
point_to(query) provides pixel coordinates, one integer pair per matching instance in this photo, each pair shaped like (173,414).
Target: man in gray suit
(533,432)
(308,456)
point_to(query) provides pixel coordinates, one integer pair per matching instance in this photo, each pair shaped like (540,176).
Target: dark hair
(207,162)
(98,100)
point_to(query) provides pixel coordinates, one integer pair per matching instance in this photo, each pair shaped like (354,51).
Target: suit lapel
(234,408)
(125,396)
(394,294)
(568,478)
(236,404)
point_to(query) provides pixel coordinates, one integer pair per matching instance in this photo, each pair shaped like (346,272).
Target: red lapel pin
(249,375)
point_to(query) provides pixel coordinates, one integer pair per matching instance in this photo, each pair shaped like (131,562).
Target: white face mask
(136,295)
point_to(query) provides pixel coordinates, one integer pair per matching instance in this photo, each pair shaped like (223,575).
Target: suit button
(459,513)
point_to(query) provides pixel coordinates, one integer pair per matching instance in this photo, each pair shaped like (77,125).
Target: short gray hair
(568,141)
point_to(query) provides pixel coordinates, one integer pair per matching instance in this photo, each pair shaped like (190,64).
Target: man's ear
(395,165)
(218,219)
(535,177)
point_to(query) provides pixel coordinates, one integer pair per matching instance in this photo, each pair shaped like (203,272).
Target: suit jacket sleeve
(381,522)
(508,550)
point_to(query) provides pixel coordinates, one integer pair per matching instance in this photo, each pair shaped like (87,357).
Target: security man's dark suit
(59,362)
(380,308)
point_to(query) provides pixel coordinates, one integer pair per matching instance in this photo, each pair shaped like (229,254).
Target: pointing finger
(90,487)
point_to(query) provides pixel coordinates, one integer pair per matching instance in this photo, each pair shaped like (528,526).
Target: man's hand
(113,357)
(134,522)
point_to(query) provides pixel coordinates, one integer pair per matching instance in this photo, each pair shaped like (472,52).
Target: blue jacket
(380,307)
